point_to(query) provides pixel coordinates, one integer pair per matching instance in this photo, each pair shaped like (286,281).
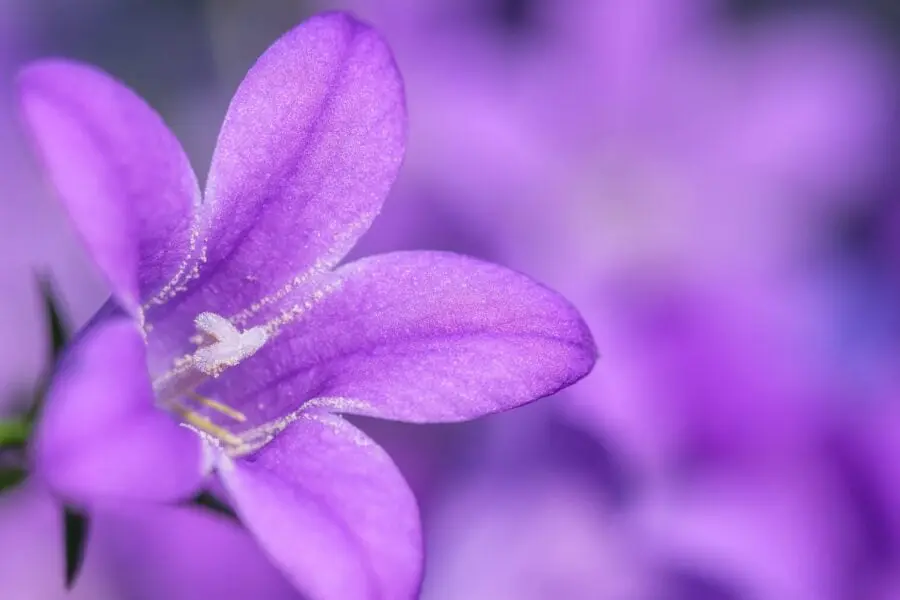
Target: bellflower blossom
(230,314)
(140,552)
(649,118)
(701,148)
(693,155)
(34,241)
(546,536)
(571,521)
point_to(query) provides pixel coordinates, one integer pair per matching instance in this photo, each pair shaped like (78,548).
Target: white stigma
(231,346)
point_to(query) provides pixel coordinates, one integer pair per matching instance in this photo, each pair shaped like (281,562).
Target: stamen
(205,425)
(218,406)
(216,326)
(221,344)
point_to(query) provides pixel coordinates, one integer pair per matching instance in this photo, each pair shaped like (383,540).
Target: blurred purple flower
(707,375)
(34,241)
(140,552)
(696,148)
(789,533)
(557,529)
(541,535)
(866,446)
(674,175)
(618,136)
(237,325)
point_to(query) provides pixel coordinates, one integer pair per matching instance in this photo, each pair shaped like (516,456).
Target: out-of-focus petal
(803,101)
(139,552)
(621,44)
(332,510)
(123,177)
(151,552)
(542,536)
(31,544)
(101,434)
(418,336)
(779,535)
(703,376)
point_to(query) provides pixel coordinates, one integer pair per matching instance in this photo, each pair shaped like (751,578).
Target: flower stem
(14,432)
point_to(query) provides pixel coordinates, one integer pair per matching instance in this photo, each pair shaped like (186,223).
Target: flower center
(221,346)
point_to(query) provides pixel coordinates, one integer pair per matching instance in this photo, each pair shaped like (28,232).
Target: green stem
(14,432)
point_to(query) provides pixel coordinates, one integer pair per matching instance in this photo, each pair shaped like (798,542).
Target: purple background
(713,183)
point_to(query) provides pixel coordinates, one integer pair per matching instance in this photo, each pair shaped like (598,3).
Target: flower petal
(310,146)
(418,336)
(622,44)
(783,534)
(31,547)
(487,531)
(152,551)
(102,436)
(332,510)
(122,175)
(808,103)
(135,551)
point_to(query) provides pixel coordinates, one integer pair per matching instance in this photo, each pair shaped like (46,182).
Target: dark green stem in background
(14,433)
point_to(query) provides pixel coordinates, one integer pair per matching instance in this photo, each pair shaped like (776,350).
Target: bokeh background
(715,184)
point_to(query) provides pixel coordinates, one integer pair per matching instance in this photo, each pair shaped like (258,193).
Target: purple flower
(619,131)
(140,552)
(33,241)
(559,528)
(707,375)
(232,316)
(672,174)
(538,535)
